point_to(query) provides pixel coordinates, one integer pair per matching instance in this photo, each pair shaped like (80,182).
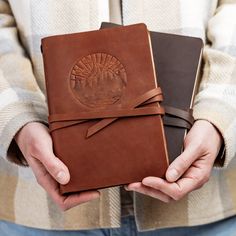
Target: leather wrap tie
(109,116)
(173,117)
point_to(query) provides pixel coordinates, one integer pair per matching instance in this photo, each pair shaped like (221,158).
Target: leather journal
(177,61)
(105,117)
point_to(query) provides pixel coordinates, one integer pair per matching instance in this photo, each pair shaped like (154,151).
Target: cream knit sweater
(22,99)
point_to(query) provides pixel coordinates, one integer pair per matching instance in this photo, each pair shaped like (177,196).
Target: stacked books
(120,102)
(177,63)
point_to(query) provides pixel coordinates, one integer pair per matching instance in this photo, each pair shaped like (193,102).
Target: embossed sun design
(98,80)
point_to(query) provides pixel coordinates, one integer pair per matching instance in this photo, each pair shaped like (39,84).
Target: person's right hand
(35,144)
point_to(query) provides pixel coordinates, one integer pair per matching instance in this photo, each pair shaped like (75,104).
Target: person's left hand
(189,171)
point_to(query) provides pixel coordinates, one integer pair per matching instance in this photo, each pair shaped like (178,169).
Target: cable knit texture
(22,100)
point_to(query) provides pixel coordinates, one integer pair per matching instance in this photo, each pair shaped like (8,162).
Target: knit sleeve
(21,100)
(216,100)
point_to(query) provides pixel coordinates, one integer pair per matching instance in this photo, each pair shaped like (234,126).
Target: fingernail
(173,174)
(61,177)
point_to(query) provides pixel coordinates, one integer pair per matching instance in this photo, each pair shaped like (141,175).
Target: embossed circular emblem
(98,80)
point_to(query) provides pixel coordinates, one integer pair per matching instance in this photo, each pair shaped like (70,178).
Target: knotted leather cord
(130,110)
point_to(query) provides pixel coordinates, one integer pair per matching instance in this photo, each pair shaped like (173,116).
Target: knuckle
(168,200)
(199,177)
(63,207)
(199,186)
(199,145)
(202,181)
(52,167)
(35,148)
(208,178)
(205,179)
(203,176)
(178,195)
(60,204)
(183,163)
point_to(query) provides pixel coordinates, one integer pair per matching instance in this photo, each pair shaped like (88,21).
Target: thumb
(181,164)
(57,169)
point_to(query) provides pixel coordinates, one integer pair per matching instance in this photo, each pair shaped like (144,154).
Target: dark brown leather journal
(177,62)
(104,111)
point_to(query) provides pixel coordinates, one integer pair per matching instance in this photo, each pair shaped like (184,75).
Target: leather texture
(177,60)
(105,76)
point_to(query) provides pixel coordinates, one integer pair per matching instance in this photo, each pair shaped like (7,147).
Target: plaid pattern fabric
(22,100)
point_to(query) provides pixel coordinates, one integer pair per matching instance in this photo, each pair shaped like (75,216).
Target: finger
(72,200)
(178,167)
(78,198)
(66,202)
(139,187)
(57,169)
(174,190)
(52,188)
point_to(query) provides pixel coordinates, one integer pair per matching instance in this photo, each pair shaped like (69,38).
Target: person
(198,196)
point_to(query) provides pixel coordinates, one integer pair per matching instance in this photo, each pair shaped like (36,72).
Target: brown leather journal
(104,111)
(177,62)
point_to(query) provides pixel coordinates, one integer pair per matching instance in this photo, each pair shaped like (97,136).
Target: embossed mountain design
(98,80)
(104,76)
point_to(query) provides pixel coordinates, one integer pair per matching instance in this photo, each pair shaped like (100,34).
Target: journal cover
(177,61)
(104,77)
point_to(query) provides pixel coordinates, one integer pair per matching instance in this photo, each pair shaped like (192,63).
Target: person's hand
(35,144)
(189,171)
